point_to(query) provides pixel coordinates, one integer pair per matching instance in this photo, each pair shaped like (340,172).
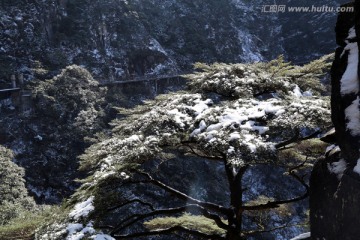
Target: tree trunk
(233,236)
(235,184)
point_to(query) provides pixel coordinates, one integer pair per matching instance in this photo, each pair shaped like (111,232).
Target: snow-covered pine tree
(14,198)
(238,116)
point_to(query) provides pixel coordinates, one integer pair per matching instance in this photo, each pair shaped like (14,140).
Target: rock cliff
(121,39)
(335,180)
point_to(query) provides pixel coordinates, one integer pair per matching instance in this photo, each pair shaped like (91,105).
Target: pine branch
(181,195)
(276,204)
(130,202)
(301,180)
(169,231)
(193,151)
(105,227)
(138,217)
(253,232)
(296,138)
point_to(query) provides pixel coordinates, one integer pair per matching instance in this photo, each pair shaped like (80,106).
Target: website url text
(312,9)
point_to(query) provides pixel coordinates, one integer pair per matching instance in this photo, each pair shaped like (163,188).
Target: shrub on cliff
(67,111)
(73,99)
(14,199)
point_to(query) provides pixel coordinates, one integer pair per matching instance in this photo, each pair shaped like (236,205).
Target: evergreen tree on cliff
(14,199)
(238,116)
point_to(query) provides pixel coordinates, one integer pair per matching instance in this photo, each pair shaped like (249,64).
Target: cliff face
(118,39)
(335,181)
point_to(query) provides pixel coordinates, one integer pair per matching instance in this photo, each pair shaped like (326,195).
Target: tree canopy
(73,98)
(14,197)
(240,115)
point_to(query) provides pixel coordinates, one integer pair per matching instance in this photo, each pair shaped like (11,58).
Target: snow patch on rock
(297,92)
(201,106)
(302,236)
(77,231)
(352,114)
(350,79)
(156,46)
(82,209)
(332,147)
(357,167)
(337,168)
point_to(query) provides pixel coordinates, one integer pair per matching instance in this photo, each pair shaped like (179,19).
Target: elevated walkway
(143,79)
(19,97)
(8,92)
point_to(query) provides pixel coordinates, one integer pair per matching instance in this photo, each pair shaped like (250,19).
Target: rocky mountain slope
(120,39)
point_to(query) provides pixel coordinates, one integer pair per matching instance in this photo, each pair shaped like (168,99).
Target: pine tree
(14,199)
(262,117)
(73,99)
(238,116)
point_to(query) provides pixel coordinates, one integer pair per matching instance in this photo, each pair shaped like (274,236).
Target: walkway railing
(143,79)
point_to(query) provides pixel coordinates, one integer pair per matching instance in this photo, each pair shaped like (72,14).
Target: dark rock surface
(339,103)
(335,185)
(119,39)
(334,211)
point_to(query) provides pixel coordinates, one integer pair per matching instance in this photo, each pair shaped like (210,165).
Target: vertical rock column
(335,180)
